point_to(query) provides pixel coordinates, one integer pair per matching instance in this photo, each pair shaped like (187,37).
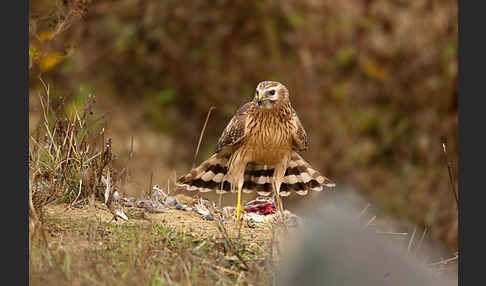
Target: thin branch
(392,233)
(420,241)
(130,154)
(364,210)
(411,240)
(370,222)
(453,187)
(79,193)
(200,136)
(445,261)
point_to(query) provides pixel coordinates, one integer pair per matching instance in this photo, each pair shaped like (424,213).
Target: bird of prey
(258,152)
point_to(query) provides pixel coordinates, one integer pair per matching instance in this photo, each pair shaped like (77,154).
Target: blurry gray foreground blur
(336,248)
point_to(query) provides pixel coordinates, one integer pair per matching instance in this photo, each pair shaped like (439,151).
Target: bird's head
(270,94)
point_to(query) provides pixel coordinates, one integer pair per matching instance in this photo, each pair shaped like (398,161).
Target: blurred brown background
(374,83)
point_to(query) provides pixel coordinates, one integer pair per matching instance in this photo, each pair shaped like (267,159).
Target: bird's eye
(272,92)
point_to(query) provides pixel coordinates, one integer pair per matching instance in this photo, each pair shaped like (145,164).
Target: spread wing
(235,130)
(299,142)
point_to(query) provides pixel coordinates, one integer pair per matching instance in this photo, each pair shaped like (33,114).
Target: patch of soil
(186,221)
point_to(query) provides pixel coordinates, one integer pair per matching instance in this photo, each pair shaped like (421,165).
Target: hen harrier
(257,151)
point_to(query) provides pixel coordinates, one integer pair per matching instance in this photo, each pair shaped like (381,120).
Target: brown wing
(299,142)
(235,130)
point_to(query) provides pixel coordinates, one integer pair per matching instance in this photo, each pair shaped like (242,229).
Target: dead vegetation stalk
(449,169)
(201,135)
(224,233)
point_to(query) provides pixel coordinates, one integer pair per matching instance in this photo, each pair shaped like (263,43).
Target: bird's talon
(238,211)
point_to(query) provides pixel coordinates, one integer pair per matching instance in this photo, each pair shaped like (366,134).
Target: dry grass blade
(370,221)
(392,233)
(200,136)
(63,165)
(411,240)
(420,241)
(79,193)
(202,260)
(33,213)
(149,192)
(445,261)
(107,182)
(222,229)
(449,170)
(364,210)
(130,153)
(186,271)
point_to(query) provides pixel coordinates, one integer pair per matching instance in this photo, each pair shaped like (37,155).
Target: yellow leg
(239,209)
(279,202)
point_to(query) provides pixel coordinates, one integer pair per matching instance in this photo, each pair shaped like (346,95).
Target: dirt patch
(186,221)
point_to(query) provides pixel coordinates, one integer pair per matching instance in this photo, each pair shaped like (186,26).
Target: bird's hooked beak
(259,100)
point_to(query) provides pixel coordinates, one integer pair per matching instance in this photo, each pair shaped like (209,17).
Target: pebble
(157,193)
(208,217)
(171,201)
(129,199)
(157,207)
(181,207)
(127,204)
(121,214)
(143,203)
(251,223)
(78,206)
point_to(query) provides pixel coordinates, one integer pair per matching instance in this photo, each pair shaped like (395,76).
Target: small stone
(157,207)
(127,204)
(129,199)
(121,214)
(251,223)
(115,197)
(158,193)
(170,201)
(181,207)
(208,217)
(143,203)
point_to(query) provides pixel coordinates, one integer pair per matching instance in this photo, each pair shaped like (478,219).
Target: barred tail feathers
(206,177)
(299,177)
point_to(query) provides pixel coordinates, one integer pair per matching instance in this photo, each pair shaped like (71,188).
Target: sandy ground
(186,221)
